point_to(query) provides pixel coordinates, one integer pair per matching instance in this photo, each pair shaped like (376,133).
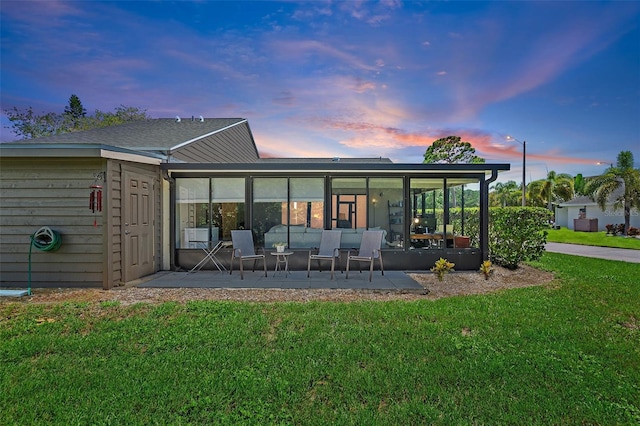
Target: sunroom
(426,211)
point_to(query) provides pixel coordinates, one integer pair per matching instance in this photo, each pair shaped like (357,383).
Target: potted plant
(280,246)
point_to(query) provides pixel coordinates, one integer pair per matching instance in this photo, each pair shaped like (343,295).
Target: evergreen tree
(74,112)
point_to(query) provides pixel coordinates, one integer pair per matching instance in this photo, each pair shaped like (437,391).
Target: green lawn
(564,353)
(601,239)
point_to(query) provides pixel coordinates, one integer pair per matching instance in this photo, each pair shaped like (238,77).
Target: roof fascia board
(78,150)
(335,168)
(206,135)
(134,158)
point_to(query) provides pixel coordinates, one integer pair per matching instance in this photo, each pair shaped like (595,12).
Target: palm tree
(505,194)
(536,196)
(557,187)
(622,176)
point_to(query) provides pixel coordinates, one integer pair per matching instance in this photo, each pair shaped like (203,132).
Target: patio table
(210,252)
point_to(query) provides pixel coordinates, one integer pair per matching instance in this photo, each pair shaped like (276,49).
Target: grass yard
(564,235)
(566,353)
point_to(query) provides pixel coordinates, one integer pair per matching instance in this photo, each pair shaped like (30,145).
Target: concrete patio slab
(392,280)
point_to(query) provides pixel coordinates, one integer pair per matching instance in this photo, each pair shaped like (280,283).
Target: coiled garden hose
(44,239)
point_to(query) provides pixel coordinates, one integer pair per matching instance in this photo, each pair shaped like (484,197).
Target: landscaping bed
(454,284)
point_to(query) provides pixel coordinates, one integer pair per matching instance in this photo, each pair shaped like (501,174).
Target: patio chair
(329,250)
(243,249)
(369,251)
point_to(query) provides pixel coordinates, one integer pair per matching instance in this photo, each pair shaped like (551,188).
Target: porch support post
(484,213)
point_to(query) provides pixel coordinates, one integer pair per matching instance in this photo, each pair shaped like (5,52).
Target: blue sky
(348,78)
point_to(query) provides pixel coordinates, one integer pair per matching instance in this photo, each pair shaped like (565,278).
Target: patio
(391,281)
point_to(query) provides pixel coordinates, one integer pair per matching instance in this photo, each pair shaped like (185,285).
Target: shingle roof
(585,200)
(189,140)
(159,134)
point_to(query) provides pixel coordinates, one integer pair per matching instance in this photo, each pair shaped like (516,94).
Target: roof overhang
(78,150)
(336,168)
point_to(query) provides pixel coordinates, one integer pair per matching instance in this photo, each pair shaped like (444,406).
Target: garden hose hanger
(45,239)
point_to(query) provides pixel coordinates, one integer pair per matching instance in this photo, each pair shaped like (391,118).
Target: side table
(282,259)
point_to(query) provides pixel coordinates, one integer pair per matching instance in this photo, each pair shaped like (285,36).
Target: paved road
(625,255)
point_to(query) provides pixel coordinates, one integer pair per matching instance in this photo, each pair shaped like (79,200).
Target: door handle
(127,232)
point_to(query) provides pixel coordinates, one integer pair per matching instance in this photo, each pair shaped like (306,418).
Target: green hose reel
(44,239)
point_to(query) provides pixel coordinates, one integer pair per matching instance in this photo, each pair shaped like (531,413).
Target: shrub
(633,231)
(442,267)
(611,228)
(517,234)
(486,269)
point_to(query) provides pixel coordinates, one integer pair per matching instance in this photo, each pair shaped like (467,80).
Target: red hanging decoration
(95,201)
(95,198)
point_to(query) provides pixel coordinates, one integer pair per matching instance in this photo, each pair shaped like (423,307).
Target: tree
(74,112)
(557,187)
(578,184)
(28,125)
(75,108)
(505,194)
(535,193)
(121,114)
(451,150)
(622,179)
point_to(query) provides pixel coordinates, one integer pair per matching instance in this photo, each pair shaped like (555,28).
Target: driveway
(625,255)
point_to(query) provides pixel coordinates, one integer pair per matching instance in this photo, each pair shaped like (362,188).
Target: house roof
(587,201)
(455,173)
(334,160)
(227,140)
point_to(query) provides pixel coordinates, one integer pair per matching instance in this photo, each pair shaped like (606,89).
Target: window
(427,214)
(227,202)
(288,210)
(349,203)
(445,213)
(208,209)
(270,210)
(307,202)
(386,208)
(192,212)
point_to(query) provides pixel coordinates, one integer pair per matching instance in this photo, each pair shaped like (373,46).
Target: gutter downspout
(484,214)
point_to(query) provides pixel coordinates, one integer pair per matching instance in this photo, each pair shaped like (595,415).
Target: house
(170,185)
(584,207)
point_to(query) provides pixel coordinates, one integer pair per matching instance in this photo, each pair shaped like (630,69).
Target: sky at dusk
(348,78)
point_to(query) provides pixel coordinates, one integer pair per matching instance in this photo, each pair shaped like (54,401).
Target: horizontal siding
(234,145)
(53,193)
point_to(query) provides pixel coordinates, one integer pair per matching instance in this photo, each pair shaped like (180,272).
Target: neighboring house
(565,213)
(170,185)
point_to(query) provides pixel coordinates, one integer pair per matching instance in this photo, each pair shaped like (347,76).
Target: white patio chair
(369,252)
(243,249)
(329,250)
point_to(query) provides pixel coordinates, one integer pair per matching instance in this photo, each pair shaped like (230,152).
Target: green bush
(517,234)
